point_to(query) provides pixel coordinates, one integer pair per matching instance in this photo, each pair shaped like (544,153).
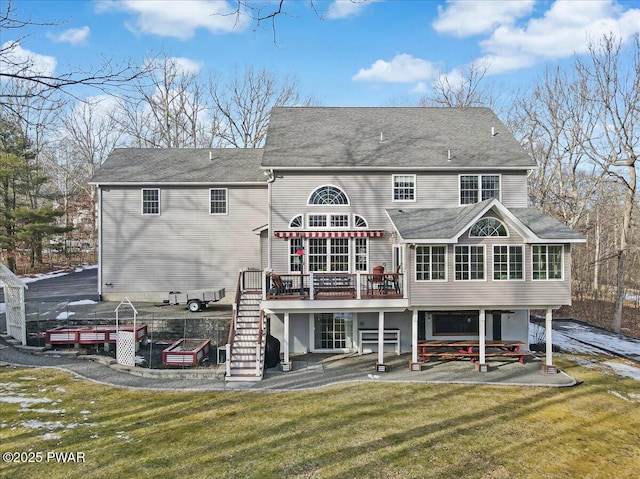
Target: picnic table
(470,349)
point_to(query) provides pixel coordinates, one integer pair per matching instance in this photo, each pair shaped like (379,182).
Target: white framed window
(431,263)
(404,187)
(328,195)
(328,254)
(335,221)
(476,188)
(339,221)
(359,222)
(294,258)
(469,263)
(508,262)
(218,201)
(150,201)
(547,262)
(317,221)
(488,227)
(296,222)
(361,254)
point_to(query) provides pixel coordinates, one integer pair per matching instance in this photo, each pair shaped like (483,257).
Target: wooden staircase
(248,336)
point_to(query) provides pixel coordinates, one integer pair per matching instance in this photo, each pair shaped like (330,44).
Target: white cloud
(178,19)
(72,36)
(463,18)
(403,68)
(17,59)
(347,8)
(564,30)
(182,65)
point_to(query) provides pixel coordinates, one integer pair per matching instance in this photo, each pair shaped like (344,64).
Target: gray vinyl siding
(182,248)
(369,194)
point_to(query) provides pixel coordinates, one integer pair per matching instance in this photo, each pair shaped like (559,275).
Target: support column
(414,365)
(380,366)
(548,366)
(481,365)
(286,364)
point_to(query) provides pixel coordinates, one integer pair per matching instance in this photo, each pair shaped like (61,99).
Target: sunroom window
(547,262)
(469,263)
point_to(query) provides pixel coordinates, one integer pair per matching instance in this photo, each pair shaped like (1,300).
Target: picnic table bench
(470,349)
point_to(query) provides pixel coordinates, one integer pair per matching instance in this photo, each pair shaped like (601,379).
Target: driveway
(68,287)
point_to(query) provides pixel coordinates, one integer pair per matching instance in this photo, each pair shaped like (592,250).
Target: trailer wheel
(194,305)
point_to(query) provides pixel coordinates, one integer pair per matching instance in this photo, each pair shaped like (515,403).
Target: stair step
(243,365)
(243,358)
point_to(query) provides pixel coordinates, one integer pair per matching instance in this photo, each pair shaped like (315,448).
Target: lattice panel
(126,348)
(15,312)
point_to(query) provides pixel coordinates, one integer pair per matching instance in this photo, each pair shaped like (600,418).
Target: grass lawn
(371,430)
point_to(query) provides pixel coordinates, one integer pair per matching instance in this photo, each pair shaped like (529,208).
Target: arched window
(359,221)
(328,195)
(488,227)
(296,222)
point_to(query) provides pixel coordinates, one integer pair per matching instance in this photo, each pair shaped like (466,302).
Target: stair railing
(232,326)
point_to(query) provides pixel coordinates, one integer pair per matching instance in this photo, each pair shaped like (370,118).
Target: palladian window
(328,195)
(488,227)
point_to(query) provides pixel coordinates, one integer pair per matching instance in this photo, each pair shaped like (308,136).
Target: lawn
(371,430)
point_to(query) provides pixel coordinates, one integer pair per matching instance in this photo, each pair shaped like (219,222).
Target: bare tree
(241,104)
(555,123)
(614,80)
(464,87)
(34,81)
(168,108)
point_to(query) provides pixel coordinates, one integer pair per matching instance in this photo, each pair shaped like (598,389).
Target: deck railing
(318,286)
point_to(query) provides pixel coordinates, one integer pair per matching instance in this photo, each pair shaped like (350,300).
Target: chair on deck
(377,278)
(277,285)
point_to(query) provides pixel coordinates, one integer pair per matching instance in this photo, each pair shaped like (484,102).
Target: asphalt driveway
(68,287)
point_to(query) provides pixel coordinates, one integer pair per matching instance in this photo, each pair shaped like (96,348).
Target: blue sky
(359,53)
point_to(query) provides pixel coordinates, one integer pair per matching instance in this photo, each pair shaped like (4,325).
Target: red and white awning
(330,234)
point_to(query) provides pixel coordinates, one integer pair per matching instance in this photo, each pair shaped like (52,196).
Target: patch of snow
(43,410)
(27,378)
(61,389)
(50,436)
(37,277)
(82,302)
(561,340)
(611,341)
(65,315)
(85,412)
(618,395)
(626,370)
(24,401)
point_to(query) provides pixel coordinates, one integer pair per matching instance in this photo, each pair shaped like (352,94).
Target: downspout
(99,243)
(271,178)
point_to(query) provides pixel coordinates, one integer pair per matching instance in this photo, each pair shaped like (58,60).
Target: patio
(317,370)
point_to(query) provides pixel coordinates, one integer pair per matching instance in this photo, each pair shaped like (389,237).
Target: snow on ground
(561,340)
(571,337)
(621,344)
(54,274)
(82,302)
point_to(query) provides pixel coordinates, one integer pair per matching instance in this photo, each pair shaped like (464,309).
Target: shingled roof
(412,138)
(181,165)
(445,225)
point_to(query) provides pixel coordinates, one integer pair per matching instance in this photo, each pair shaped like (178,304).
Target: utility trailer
(195,300)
